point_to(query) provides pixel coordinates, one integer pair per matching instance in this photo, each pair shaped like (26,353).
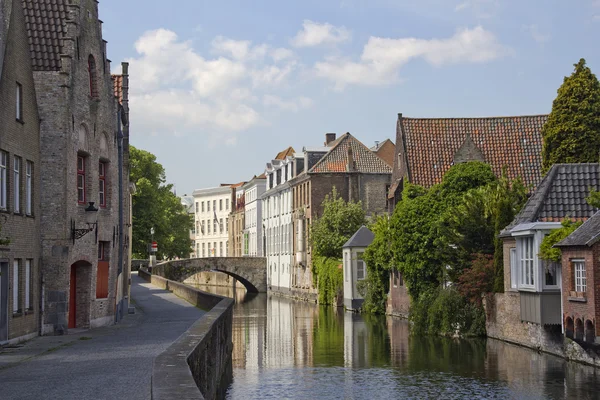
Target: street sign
(154,247)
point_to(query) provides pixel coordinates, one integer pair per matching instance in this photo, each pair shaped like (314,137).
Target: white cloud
(536,34)
(382,58)
(179,91)
(315,34)
(293,105)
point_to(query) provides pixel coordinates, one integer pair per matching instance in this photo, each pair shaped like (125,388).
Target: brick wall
(581,306)
(69,112)
(398,303)
(20,139)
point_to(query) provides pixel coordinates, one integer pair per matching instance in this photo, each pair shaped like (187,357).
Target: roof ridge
(472,118)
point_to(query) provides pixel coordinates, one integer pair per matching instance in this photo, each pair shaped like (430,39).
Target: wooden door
(73,298)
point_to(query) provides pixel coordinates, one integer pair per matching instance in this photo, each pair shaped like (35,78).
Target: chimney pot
(329,137)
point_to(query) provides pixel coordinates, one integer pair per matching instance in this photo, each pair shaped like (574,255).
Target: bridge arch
(249,271)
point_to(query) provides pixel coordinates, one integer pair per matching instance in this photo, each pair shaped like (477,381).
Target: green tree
(328,233)
(572,132)
(156,206)
(340,220)
(378,257)
(550,253)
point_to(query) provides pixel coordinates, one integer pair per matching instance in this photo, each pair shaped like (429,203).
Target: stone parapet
(196,364)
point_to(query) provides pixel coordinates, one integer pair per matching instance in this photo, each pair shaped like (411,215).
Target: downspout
(119,313)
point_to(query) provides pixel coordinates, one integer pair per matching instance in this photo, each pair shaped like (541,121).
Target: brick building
(529,310)
(386,150)
(427,147)
(83,244)
(581,281)
(237,220)
(19,181)
(356,172)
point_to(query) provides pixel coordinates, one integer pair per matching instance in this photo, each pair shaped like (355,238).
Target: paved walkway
(107,363)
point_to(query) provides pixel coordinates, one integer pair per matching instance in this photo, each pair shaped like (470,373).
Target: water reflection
(288,349)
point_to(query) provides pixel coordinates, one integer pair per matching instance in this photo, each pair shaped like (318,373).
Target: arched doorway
(590,332)
(578,329)
(569,328)
(80,294)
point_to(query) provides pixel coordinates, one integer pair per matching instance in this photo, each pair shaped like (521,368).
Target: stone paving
(107,363)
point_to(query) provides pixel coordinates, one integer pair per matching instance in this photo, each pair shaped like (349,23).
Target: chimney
(329,137)
(350,166)
(376,144)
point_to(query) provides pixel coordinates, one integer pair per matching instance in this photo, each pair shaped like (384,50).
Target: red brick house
(426,148)
(581,281)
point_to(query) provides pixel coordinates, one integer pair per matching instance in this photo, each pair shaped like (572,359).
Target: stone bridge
(250,271)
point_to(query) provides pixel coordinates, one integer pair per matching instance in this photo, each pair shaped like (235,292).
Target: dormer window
(93,76)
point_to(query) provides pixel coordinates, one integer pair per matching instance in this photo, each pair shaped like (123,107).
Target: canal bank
(292,349)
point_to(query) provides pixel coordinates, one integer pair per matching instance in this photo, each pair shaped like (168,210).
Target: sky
(218,88)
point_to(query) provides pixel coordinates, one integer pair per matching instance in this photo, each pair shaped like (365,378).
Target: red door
(72,297)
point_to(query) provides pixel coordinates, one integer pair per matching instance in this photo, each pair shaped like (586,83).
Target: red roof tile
(118,86)
(337,158)
(430,144)
(45,23)
(285,153)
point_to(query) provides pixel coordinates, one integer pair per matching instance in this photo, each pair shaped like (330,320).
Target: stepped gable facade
(81,248)
(427,147)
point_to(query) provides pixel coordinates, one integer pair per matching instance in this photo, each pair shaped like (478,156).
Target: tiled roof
(282,155)
(561,194)
(431,144)
(337,158)
(118,86)
(45,22)
(586,235)
(362,238)
(386,150)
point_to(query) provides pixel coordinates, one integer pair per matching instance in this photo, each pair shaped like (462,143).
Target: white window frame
(527,265)
(28,188)
(3,179)
(15,287)
(579,275)
(27,284)
(17,184)
(361,269)
(514,274)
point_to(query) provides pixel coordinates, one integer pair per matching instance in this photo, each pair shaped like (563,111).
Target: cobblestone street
(107,363)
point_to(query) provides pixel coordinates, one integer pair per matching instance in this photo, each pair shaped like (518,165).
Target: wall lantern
(90,220)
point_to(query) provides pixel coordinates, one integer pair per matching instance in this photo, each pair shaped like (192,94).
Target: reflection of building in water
(304,316)
(280,333)
(399,333)
(355,340)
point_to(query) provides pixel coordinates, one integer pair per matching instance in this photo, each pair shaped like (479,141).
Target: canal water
(285,349)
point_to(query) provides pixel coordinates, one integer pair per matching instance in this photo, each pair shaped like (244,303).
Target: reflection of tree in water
(441,354)
(378,343)
(328,346)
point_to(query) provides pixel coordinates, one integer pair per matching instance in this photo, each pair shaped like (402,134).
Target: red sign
(154,247)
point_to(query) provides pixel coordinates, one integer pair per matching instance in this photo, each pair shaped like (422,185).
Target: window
(526,262)
(227,204)
(214,249)
(202,206)
(220,249)
(93,76)
(208,205)
(103,270)
(221,225)
(202,227)
(197,208)
(19,102)
(227,225)
(208,223)
(196,228)
(15,287)
(203,253)
(220,204)
(360,267)
(17,184)
(81,179)
(215,226)
(513,268)
(3,180)
(102,183)
(580,278)
(348,267)
(214,205)
(551,269)
(28,286)
(28,187)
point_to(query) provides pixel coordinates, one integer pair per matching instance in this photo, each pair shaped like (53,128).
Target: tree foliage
(572,132)
(340,220)
(550,253)
(477,280)
(377,256)
(156,206)
(330,279)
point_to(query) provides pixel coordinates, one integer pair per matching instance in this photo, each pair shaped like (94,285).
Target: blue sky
(217,88)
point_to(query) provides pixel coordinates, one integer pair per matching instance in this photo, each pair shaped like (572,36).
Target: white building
(211,209)
(277,222)
(188,203)
(355,268)
(253,233)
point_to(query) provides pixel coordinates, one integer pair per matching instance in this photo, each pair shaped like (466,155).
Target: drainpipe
(119,313)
